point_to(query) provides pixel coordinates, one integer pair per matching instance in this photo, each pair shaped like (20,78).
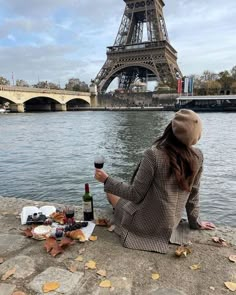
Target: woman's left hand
(207,225)
(100,175)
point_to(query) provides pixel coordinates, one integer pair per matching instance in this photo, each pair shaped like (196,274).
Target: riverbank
(129,271)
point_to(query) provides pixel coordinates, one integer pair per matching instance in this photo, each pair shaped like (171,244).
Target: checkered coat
(151,208)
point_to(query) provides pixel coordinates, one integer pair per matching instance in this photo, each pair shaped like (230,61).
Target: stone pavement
(129,271)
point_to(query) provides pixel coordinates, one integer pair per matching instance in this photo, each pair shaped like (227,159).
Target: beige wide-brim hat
(187,126)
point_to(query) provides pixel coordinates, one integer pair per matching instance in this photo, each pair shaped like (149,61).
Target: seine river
(49,156)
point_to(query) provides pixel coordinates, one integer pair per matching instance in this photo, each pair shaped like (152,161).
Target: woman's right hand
(100,175)
(207,225)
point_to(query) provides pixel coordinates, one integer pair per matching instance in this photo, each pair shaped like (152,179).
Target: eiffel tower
(142,51)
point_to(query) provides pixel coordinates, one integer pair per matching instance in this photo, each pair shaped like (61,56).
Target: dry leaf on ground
(231,286)
(1,260)
(232,258)
(28,232)
(18,293)
(56,250)
(105,284)
(220,241)
(102,221)
(102,272)
(79,258)
(212,288)
(9,273)
(155,276)
(65,242)
(50,286)
(50,243)
(90,264)
(93,238)
(73,268)
(195,266)
(183,251)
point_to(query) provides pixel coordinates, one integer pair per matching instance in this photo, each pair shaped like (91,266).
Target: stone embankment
(129,271)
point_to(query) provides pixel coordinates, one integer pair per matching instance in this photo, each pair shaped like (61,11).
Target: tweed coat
(151,208)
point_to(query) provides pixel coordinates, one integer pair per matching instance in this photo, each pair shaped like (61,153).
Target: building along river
(49,156)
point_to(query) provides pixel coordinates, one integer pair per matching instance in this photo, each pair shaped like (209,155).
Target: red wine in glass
(69,214)
(99,162)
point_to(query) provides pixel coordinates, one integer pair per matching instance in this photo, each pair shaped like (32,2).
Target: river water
(49,156)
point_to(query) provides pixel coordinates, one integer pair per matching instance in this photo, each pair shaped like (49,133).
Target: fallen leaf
(105,284)
(231,286)
(195,266)
(9,273)
(49,244)
(212,288)
(73,268)
(1,260)
(111,228)
(183,251)
(232,258)
(50,286)
(18,293)
(220,241)
(102,221)
(79,258)
(155,276)
(28,232)
(90,264)
(93,238)
(102,272)
(56,250)
(65,242)
(82,250)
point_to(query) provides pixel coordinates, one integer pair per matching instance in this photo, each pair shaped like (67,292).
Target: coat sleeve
(192,205)
(136,191)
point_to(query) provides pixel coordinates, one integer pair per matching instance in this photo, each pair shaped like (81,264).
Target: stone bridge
(21,99)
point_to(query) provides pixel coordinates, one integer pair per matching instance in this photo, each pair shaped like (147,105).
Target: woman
(149,210)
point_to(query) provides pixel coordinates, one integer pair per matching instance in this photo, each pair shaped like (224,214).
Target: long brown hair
(182,159)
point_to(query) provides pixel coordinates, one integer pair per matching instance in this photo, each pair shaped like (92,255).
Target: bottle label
(87,207)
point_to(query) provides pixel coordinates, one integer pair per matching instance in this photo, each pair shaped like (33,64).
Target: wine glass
(69,212)
(99,162)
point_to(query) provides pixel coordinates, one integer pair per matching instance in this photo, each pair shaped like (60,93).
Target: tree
(74,84)
(208,76)
(4,81)
(233,72)
(22,83)
(225,80)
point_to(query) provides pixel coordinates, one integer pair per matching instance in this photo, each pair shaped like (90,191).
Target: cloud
(59,39)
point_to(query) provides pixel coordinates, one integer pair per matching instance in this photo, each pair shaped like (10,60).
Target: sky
(56,40)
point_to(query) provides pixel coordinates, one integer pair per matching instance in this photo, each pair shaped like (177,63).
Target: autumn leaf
(50,243)
(72,268)
(220,241)
(93,238)
(65,242)
(195,266)
(155,276)
(79,258)
(183,251)
(28,232)
(102,221)
(102,272)
(232,258)
(50,286)
(18,293)
(9,273)
(231,286)
(90,264)
(105,284)
(56,250)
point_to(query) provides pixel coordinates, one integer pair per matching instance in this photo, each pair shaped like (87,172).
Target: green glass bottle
(87,204)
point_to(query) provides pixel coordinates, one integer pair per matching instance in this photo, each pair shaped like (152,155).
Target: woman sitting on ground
(149,210)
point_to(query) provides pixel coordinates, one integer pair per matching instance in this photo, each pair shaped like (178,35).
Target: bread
(58,217)
(76,235)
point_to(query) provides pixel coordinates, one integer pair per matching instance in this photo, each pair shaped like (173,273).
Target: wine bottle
(87,204)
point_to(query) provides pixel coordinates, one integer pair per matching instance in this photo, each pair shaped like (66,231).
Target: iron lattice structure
(142,50)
